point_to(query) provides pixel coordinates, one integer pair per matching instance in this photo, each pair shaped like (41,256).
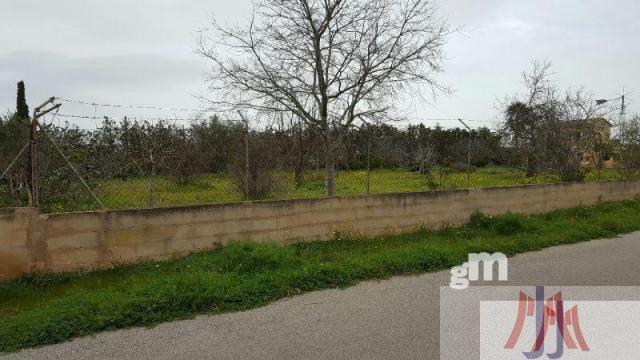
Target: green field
(45,309)
(219,188)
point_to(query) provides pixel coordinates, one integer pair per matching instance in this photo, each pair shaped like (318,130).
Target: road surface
(390,319)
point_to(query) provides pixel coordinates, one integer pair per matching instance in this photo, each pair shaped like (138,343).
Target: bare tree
(572,133)
(552,131)
(526,118)
(330,62)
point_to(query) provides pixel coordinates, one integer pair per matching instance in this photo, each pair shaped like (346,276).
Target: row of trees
(128,149)
(543,132)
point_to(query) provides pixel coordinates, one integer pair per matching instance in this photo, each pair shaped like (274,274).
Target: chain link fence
(132,165)
(14,183)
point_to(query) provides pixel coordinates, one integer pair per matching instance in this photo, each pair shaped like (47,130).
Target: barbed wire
(125,106)
(137,118)
(448,119)
(97,104)
(103,117)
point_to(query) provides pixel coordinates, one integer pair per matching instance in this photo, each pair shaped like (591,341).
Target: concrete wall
(30,241)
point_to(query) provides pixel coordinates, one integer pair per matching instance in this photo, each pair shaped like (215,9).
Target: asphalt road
(391,319)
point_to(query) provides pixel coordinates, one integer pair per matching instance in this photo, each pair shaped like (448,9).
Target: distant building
(592,142)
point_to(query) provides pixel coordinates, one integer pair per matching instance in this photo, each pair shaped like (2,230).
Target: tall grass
(219,188)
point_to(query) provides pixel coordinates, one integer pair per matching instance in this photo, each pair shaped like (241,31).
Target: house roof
(592,121)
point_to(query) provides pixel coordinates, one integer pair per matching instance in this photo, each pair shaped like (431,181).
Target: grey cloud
(90,49)
(136,78)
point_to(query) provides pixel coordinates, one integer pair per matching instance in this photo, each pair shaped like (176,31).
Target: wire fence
(133,164)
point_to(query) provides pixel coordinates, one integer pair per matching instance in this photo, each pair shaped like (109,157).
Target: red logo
(548,312)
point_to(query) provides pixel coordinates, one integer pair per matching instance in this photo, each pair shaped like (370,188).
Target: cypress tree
(22,109)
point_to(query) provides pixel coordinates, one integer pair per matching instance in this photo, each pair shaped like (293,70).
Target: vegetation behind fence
(132,164)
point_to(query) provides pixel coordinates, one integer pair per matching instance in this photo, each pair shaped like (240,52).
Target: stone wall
(30,241)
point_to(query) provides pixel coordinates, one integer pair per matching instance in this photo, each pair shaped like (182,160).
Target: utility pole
(623,110)
(623,106)
(38,112)
(468,154)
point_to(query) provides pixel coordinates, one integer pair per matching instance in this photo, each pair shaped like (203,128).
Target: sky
(142,53)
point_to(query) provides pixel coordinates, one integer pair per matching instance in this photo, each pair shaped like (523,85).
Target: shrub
(462,167)
(262,164)
(479,220)
(507,224)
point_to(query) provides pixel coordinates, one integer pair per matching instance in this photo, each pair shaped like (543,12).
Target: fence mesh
(132,165)
(14,180)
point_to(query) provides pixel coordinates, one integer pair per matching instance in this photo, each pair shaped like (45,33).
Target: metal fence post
(34,201)
(468,154)
(33,161)
(246,156)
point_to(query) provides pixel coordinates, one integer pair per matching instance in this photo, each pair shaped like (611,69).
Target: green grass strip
(46,309)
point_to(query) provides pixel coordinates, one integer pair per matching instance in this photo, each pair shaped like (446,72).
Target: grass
(49,308)
(219,188)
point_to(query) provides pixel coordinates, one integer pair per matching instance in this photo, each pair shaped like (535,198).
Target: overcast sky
(141,52)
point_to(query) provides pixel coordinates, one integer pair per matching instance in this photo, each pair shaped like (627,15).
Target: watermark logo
(548,312)
(461,276)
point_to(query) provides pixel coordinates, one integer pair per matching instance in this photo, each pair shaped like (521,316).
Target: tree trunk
(531,171)
(330,173)
(531,165)
(329,165)
(300,161)
(298,174)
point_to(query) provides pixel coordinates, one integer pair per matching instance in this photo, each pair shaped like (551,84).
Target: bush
(262,164)
(5,197)
(462,167)
(507,224)
(479,220)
